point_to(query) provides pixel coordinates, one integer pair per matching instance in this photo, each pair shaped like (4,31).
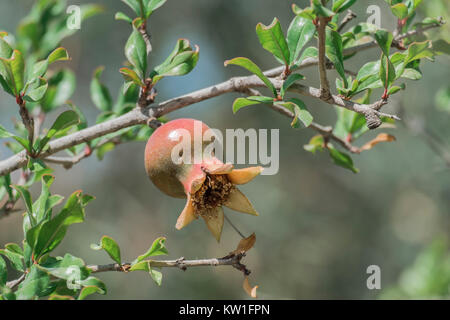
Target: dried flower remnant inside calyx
(213,193)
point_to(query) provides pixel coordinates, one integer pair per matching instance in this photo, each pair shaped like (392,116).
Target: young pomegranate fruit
(206,182)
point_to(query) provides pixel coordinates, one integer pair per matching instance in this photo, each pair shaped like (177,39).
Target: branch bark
(325,93)
(181,263)
(143,115)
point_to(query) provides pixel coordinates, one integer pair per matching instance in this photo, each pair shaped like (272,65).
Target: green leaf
(156,276)
(291,79)
(298,108)
(13,71)
(36,90)
(333,50)
(387,71)
(310,52)
(39,69)
(145,265)
(104,148)
(181,61)
(5,49)
(63,121)
(89,290)
(412,74)
(369,69)
(110,246)
(61,86)
(400,10)
(307,13)
(43,205)
(15,259)
(253,68)
(123,16)
(14,247)
(272,39)
(300,32)
(157,248)
(321,10)
(26,197)
(384,39)
(136,52)
(341,5)
(35,284)
(134,5)
(341,159)
(442,99)
(59,54)
(152,5)
(394,89)
(3,272)
(240,103)
(4,133)
(99,93)
(316,143)
(53,231)
(130,75)
(418,50)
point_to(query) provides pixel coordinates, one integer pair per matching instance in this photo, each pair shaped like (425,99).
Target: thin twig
(324,131)
(348,17)
(14,283)
(141,115)
(233,260)
(27,119)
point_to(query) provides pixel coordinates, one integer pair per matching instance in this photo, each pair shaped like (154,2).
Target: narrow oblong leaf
(59,54)
(152,5)
(99,93)
(384,39)
(179,63)
(301,114)
(134,5)
(291,79)
(253,68)
(341,5)
(333,50)
(240,103)
(35,284)
(61,86)
(320,9)
(3,272)
(131,75)
(300,32)
(136,52)
(13,71)
(272,39)
(157,248)
(110,246)
(387,71)
(400,10)
(64,120)
(36,90)
(123,16)
(341,159)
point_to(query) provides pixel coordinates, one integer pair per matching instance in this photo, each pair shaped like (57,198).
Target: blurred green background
(320,226)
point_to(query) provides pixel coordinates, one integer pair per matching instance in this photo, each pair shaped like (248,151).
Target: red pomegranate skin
(163,172)
(207,183)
